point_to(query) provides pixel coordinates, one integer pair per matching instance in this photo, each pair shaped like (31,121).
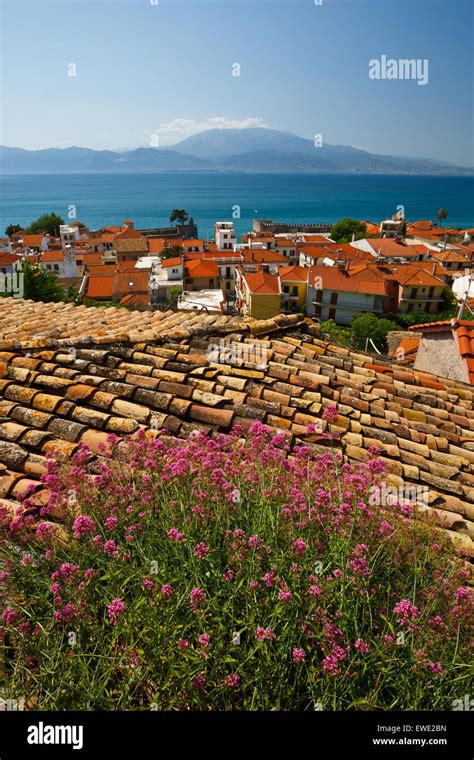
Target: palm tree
(179,215)
(442,215)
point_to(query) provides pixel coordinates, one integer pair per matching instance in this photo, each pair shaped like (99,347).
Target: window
(413,293)
(56,267)
(227,272)
(211,284)
(332,313)
(431,292)
(319,296)
(333,298)
(286,288)
(317,310)
(295,290)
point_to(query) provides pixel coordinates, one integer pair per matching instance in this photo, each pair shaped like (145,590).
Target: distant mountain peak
(250,149)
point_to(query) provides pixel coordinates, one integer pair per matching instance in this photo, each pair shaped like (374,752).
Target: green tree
(48,224)
(335,333)
(39,284)
(442,215)
(174,295)
(370,326)
(179,215)
(171,251)
(343,230)
(12,228)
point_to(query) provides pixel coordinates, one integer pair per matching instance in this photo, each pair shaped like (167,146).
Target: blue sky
(166,70)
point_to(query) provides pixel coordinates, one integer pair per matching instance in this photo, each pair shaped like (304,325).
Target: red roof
(201,268)
(173,262)
(156,245)
(265,256)
(262,283)
(293,274)
(358,279)
(52,256)
(100,287)
(8,259)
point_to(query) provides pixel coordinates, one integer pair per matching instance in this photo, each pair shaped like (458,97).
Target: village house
(130,248)
(200,274)
(343,292)
(294,287)
(62,263)
(224,236)
(258,294)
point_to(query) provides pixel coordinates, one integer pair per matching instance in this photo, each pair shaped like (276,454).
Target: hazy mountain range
(248,150)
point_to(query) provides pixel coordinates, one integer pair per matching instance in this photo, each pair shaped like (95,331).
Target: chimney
(129,224)
(434,268)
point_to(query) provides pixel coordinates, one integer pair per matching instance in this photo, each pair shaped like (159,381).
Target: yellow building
(258,294)
(294,287)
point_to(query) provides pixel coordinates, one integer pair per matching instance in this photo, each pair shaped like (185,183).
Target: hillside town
(394,268)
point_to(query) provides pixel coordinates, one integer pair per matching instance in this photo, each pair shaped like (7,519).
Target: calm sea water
(148,198)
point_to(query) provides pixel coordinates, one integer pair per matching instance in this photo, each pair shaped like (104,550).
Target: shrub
(229,572)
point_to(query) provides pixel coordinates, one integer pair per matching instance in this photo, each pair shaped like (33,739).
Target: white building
(68,234)
(224,235)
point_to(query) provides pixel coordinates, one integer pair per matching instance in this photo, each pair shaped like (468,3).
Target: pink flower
(436,668)
(111,523)
(228,575)
(201,550)
(9,616)
(115,609)
(82,525)
(299,547)
(198,682)
(331,665)
(204,640)
(233,680)
(314,590)
(175,535)
(110,547)
(265,634)
(269,580)
(147,584)
(298,655)
(167,590)
(406,612)
(330,413)
(285,595)
(68,569)
(462,594)
(183,644)
(196,596)
(361,646)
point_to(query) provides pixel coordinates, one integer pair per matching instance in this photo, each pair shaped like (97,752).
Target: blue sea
(103,199)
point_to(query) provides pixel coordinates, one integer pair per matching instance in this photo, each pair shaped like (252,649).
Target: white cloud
(171,132)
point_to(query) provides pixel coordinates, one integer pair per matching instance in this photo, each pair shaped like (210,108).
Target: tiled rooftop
(70,374)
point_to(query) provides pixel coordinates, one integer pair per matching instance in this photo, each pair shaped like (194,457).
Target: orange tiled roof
(293,274)
(8,259)
(265,256)
(100,286)
(173,262)
(156,245)
(33,240)
(127,282)
(262,283)
(359,279)
(52,256)
(201,268)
